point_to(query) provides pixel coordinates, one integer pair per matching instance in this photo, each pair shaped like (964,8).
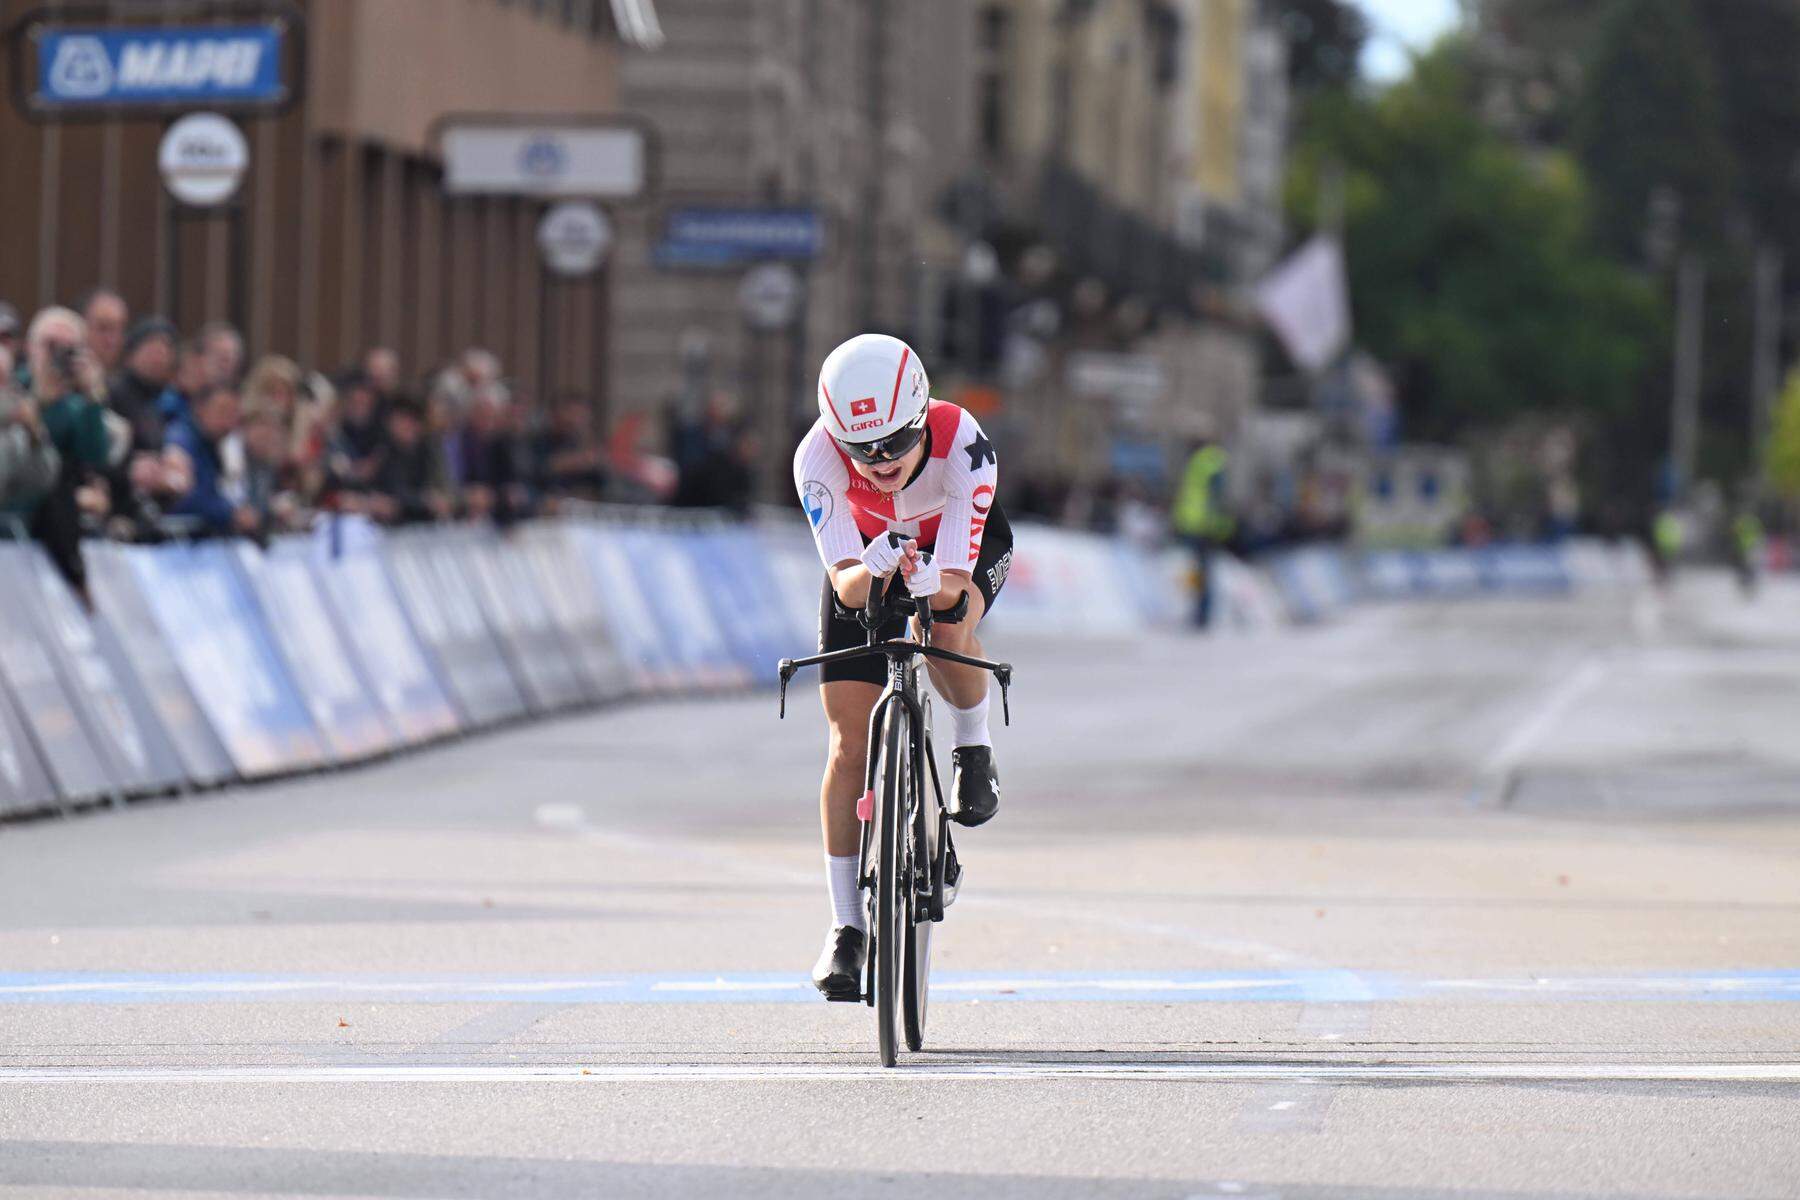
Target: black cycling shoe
(839,971)
(976,785)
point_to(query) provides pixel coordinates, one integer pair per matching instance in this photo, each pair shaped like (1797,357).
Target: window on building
(992,78)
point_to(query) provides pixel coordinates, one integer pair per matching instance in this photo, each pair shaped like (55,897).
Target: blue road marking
(1167,987)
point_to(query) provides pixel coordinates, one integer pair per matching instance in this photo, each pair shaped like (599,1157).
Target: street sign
(574,237)
(552,159)
(203,159)
(218,66)
(725,237)
(770,296)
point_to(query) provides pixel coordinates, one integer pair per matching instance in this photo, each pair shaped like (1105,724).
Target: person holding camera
(66,383)
(28,461)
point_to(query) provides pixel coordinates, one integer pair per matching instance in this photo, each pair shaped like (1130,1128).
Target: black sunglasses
(894,445)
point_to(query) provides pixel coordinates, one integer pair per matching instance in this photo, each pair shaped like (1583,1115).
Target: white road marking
(1781,1073)
(1538,723)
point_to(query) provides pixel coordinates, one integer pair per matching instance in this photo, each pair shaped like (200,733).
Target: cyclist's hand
(887,552)
(923,579)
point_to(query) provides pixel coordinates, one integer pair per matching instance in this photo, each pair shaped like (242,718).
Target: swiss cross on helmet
(872,396)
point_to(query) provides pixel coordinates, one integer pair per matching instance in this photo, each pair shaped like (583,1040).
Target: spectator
(566,456)
(9,333)
(65,380)
(457,384)
(382,368)
(222,354)
(107,316)
(357,442)
(28,460)
(409,485)
(189,381)
(147,369)
(200,435)
(704,450)
(310,433)
(271,482)
(273,386)
(488,464)
(149,478)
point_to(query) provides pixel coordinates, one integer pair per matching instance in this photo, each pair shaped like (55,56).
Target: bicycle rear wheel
(891,907)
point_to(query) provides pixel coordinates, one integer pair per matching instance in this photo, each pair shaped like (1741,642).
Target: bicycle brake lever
(1004,675)
(787,673)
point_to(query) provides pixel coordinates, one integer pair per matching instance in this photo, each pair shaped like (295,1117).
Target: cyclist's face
(892,476)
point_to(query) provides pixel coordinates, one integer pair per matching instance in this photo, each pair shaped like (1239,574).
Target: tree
(1472,274)
(1325,41)
(1783,452)
(1650,120)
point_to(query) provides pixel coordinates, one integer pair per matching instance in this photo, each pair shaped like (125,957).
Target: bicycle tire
(890,896)
(916,995)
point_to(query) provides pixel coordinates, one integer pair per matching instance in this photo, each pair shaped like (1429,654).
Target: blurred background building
(1115,229)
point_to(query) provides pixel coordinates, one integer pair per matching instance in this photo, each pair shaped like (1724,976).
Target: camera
(63,358)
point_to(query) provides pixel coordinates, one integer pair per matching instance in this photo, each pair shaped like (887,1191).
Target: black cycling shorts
(841,633)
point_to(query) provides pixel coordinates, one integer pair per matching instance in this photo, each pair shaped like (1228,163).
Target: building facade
(857,111)
(341,236)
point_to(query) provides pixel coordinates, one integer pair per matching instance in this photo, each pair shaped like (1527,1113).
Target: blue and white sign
(723,237)
(216,66)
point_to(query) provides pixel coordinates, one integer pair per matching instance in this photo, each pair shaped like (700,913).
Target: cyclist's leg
(960,686)
(848,703)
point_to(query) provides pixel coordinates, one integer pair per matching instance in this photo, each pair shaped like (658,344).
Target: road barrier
(1317,582)
(207,663)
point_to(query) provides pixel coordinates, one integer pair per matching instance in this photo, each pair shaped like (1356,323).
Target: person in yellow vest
(1199,518)
(1748,542)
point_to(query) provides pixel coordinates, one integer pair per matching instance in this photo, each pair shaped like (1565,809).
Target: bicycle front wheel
(923,835)
(891,907)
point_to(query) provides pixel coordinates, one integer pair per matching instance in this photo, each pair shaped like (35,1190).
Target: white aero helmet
(872,396)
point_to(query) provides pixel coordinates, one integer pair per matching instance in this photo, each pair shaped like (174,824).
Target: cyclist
(895,482)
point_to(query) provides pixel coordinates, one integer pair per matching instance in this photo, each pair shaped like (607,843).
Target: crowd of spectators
(139,431)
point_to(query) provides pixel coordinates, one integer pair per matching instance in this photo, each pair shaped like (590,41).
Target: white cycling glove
(926,579)
(884,554)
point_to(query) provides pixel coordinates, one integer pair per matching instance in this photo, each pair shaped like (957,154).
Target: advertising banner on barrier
(441,602)
(746,600)
(126,621)
(217,634)
(683,608)
(24,784)
(800,578)
(342,702)
(554,559)
(119,717)
(75,763)
(629,613)
(520,620)
(368,616)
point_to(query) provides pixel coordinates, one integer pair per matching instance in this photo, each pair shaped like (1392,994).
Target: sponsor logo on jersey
(984,498)
(816,499)
(979,518)
(862,408)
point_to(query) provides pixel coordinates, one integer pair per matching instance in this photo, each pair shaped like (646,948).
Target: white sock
(846,897)
(971,724)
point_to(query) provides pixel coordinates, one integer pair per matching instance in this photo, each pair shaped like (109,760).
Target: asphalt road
(1475,899)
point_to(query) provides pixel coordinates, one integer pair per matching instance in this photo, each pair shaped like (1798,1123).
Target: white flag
(1307,302)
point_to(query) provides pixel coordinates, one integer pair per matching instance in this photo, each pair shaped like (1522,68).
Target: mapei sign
(166,66)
